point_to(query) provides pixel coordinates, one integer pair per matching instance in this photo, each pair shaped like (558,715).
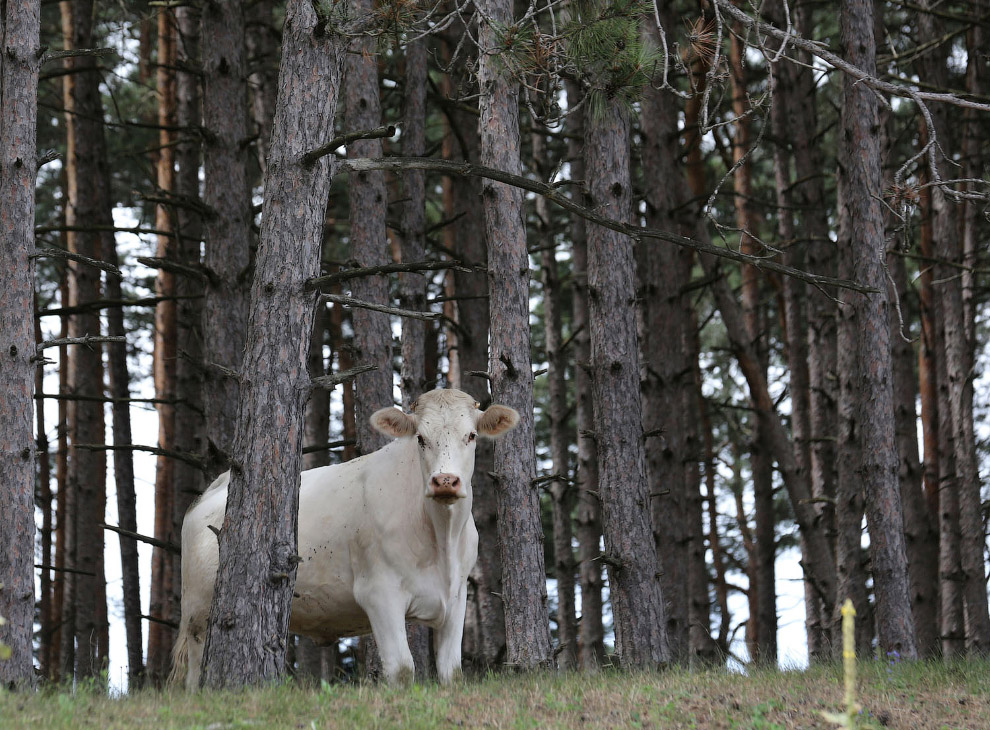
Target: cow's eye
(422,441)
(472,436)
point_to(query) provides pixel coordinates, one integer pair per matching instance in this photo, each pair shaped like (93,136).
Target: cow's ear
(497,420)
(393,422)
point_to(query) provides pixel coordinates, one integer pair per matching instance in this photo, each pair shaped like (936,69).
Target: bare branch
(48,56)
(188,458)
(553,193)
(337,142)
(163,544)
(385,269)
(88,340)
(329,382)
(352,302)
(58,253)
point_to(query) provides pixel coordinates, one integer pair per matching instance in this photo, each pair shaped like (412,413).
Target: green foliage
(605,45)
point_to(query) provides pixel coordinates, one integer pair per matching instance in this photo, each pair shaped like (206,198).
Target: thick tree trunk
(87,173)
(630,552)
(369,244)
(245,640)
(228,230)
(20,34)
(527,628)
(561,486)
(861,222)
(588,515)
(160,636)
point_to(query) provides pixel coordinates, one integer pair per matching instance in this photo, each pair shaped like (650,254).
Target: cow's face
(446,425)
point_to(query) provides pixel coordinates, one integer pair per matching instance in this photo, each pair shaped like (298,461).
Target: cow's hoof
(456,677)
(404,677)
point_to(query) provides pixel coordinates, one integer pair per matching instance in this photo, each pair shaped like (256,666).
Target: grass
(916,696)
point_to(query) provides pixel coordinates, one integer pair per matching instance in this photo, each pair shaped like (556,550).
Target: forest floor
(914,696)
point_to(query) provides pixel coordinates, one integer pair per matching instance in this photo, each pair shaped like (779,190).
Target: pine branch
(385,269)
(163,544)
(196,272)
(337,142)
(102,304)
(316,448)
(399,164)
(329,382)
(58,253)
(188,458)
(88,340)
(47,56)
(352,302)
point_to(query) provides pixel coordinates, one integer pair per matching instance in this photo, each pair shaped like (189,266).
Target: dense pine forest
(727,260)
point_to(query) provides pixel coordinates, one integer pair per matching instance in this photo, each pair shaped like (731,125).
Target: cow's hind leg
(388,624)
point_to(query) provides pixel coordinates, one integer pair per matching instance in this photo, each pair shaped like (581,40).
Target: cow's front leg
(387,615)
(447,640)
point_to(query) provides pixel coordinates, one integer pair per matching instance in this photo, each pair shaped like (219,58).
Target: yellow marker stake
(848,720)
(849,660)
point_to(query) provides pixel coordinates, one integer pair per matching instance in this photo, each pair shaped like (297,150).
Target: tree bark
(46,649)
(527,627)
(227,194)
(630,552)
(245,640)
(86,171)
(160,636)
(466,237)
(561,486)
(20,32)
(369,245)
(861,222)
(412,286)
(588,514)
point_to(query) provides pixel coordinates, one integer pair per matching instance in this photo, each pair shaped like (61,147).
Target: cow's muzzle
(446,488)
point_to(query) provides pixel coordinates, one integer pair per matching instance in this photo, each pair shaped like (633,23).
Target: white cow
(385,538)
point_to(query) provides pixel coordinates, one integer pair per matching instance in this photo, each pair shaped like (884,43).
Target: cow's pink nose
(445,486)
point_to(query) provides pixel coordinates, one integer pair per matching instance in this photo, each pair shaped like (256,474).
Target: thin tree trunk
(189,434)
(561,487)
(921,536)
(62,610)
(861,222)
(20,33)
(630,552)
(369,243)
(249,618)
(160,636)
(261,39)
(762,572)
(228,230)
(86,171)
(46,650)
(589,512)
(813,210)
(527,627)
(412,286)
(466,237)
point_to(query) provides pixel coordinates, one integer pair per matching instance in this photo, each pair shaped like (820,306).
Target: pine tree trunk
(20,33)
(369,244)
(588,514)
(810,202)
(561,487)
(228,230)
(527,627)
(160,636)
(249,618)
(638,605)
(261,43)
(466,237)
(62,611)
(861,223)
(921,536)
(46,650)
(87,173)
(412,286)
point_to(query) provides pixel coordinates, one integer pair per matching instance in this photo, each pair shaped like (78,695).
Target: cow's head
(446,424)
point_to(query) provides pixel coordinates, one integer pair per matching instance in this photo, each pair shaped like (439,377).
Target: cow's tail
(180,657)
